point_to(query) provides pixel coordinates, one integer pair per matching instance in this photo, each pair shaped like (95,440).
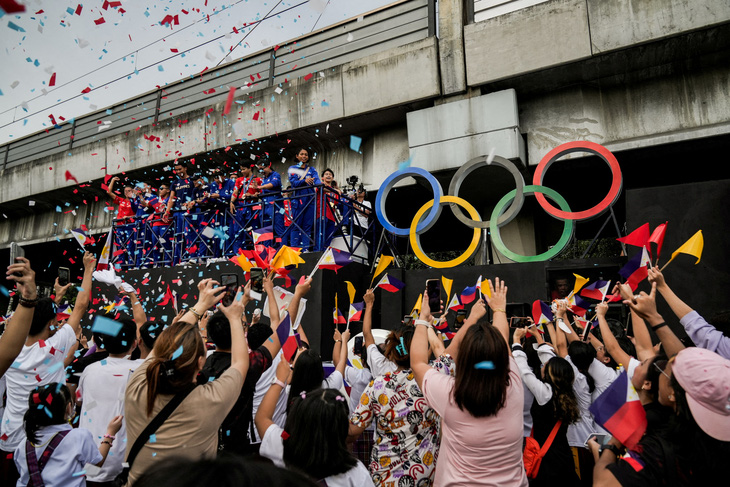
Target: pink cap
(705,377)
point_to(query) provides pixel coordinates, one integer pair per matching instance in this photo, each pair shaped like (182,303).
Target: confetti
(177,353)
(106,326)
(15,27)
(486,365)
(229,101)
(355,143)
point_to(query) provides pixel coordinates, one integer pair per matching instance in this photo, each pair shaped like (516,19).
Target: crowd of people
(210,398)
(197,217)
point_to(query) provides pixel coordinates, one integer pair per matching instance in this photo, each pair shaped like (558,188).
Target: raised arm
(367,319)
(341,361)
(642,339)
(419,343)
(137,310)
(301,290)
(436,343)
(498,303)
(110,188)
(645,306)
(239,347)
(609,341)
(542,392)
(84,297)
(272,345)
(59,292)
(561,342)
(265,414)
(17,328)
(679,307)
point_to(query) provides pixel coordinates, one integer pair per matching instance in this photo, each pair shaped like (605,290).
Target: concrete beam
(537,37)
(616,24)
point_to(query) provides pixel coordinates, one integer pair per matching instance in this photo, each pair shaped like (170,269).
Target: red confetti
(38,377)
(173,50)
(99,21)
(208,92)
(70,177)
(308,77)
(256,116)
(86,90)
(11,7)
(229,101)
(79,8)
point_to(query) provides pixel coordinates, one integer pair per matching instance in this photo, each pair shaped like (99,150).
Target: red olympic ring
(579,146)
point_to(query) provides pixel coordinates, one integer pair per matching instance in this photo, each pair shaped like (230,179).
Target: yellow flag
(486,288)
(447,286)
(580,281)
(242,262)
(693,247)
(350,291)
(417,307)
(286,256)
(383,263)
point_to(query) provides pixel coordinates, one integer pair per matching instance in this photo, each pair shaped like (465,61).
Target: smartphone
(460,318)
(357,349)
(433,290)
(601,439)
(257,280)
(16,251)
(64,276)
(519,322)
(230,282)
(407,320)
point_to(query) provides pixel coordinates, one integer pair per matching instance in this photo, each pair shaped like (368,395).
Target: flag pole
(665,265)
(316,266)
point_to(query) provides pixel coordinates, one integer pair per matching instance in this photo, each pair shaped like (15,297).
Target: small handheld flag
(390,284)
(619,410)
(637,238)
(597,290)
(636,269)
(657,237)
(383,263)
(692,247)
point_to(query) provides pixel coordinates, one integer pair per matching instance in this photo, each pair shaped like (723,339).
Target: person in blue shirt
(272,200)
(244,205)
(303,177)
(180,201)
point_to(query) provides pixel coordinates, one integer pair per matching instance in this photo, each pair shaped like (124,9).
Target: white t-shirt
(101,388)
(272,447)
(361,218)
(65,467)
(358,380)
(262,387)
(379,365)
(334,381)
(37,365)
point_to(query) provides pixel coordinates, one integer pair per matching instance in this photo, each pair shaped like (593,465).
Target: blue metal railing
(310,218)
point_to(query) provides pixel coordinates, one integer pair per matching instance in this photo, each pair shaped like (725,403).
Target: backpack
(533,454)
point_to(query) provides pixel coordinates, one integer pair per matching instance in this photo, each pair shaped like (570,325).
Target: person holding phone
(485,395)
(124,220)
(177,357)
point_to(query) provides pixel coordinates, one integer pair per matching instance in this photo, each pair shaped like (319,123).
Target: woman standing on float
(302,177)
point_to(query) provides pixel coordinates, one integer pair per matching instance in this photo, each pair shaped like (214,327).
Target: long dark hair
(482,392)
(398,346)
(307,376)
(316,428)
(582,355)
(166,375)
(46,406)
(560,376)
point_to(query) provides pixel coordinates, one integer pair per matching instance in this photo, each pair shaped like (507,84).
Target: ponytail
(46,406)
(175,361)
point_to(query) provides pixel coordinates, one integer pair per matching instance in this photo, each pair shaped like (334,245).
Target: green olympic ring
(568,225)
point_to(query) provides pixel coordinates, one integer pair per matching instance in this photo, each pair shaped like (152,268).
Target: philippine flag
(541,313)
(333,260)
(619,410)
(597,290)
(355,313)
(338,317)
(579,306)
(262,234)
(390,284)
(636,269)
(468,294)
(455,304)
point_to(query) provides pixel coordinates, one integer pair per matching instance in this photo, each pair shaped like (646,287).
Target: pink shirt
(478,451)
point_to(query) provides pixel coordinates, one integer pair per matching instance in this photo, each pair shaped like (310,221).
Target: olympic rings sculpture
(506,209)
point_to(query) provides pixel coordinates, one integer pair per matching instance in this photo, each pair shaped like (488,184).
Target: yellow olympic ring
(416,244)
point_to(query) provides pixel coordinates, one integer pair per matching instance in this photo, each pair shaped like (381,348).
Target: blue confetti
(79,473)
(355,142)
(15,27)
(177,353)
(4,291)
(106,326)
(153,438)
(486,365)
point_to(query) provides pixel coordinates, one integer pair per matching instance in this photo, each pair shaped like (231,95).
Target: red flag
(657,237)
(638,237)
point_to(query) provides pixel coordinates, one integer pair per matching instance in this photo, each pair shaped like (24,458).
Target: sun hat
(705,377)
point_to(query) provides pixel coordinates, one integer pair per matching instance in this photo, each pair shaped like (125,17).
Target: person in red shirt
(244,205)
(126,227)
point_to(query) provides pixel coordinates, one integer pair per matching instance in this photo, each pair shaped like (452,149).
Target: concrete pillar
(451,47)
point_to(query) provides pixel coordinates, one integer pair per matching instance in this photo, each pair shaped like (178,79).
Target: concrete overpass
(433,82)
